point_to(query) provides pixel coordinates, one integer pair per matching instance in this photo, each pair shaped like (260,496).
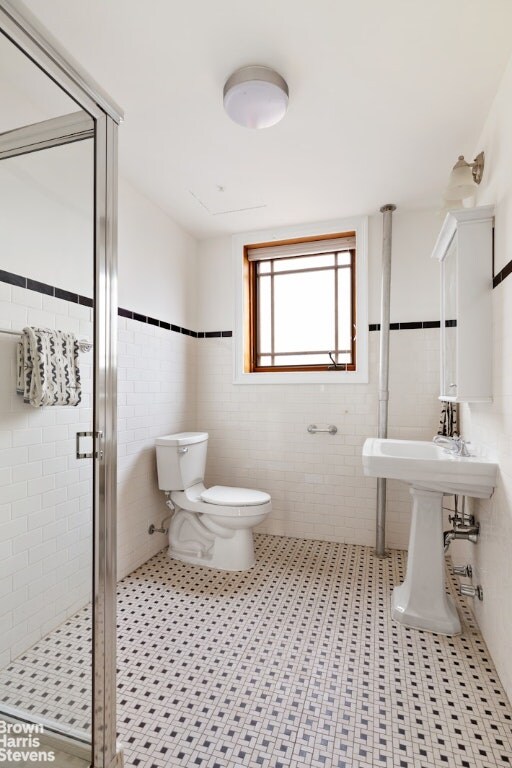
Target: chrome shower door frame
(18,25)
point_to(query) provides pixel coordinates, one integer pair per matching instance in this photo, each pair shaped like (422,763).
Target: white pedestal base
(421,601)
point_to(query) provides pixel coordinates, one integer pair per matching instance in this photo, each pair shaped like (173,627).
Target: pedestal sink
(421,601)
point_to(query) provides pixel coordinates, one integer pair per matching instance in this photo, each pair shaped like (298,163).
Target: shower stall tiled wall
(47,510)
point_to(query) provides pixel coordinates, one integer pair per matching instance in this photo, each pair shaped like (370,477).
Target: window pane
(264,310)
(344,258)
(304,311)
(304,262)
(263,267)
(283,360)
(344,309)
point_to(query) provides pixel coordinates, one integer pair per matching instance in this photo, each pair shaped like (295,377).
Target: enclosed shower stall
(57,463)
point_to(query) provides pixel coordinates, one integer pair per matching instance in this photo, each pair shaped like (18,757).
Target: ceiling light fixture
(463,178)
(256,97)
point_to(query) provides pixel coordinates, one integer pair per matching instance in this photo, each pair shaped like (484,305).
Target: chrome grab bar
(313,429)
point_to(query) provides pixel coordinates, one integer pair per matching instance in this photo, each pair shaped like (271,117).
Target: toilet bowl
(210,526)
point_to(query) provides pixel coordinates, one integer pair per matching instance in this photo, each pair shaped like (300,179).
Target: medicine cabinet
(464,250)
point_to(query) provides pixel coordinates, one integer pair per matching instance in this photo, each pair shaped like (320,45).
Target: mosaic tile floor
(296,664)
(60,760)
(53,678)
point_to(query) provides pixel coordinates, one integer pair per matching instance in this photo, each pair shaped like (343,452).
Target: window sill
(303,377)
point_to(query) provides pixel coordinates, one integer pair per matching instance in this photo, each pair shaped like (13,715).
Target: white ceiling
(383,97)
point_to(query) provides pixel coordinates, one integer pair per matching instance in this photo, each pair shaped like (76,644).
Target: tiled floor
(295,663)
(59,760)
(52,680)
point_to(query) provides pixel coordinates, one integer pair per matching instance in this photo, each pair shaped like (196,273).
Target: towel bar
(84,345)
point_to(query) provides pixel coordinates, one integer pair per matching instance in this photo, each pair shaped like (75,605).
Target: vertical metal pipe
(387,211)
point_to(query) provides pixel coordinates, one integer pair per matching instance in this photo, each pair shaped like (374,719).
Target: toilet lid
(234,497)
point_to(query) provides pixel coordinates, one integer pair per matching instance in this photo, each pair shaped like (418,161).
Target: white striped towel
(48,370)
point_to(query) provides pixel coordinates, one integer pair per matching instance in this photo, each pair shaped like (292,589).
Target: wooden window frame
(251,308)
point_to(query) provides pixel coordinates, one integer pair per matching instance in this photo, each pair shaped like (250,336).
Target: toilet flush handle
(182,450)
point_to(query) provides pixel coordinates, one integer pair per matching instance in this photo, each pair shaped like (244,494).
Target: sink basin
(429,466)
(421,600)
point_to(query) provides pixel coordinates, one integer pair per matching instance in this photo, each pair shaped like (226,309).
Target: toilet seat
(195,498)
(226,496)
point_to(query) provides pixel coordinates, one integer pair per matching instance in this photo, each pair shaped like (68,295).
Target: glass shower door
(47,267)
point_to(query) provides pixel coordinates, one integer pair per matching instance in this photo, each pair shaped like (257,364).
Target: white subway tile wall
(259,439)
(489,426)
(156,385)
(45,493)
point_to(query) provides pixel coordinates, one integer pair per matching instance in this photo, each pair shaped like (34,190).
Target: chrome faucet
(454,445)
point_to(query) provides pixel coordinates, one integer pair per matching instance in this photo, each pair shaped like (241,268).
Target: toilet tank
(181,460)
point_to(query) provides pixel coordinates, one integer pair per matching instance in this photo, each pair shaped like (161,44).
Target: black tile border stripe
(12,279)
(86,301)
(66,295)
(502,274)
(59,293)
(34,285)
(44,288)
(168,326)
(416,325)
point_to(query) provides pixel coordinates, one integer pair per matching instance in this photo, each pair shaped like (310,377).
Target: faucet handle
(455,445)
(462,445)
(464,448)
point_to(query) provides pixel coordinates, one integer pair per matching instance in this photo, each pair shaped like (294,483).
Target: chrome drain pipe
(387,212)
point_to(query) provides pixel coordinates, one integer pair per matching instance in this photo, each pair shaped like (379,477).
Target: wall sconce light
(463,178)
(256,97)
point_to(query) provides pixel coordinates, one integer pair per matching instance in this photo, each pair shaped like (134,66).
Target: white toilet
(211,526)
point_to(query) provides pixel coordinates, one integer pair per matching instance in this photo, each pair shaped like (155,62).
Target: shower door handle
(96,436)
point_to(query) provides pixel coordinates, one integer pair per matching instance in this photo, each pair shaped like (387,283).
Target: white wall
(258,432)
(414,275)
(46,216)
(156,374)
(157,261)
(490,426)
(156,378)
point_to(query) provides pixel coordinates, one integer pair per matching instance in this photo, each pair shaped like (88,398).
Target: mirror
(46,492)
(449,302)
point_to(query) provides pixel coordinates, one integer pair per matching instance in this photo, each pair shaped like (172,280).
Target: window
(295,280)
(300,313)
